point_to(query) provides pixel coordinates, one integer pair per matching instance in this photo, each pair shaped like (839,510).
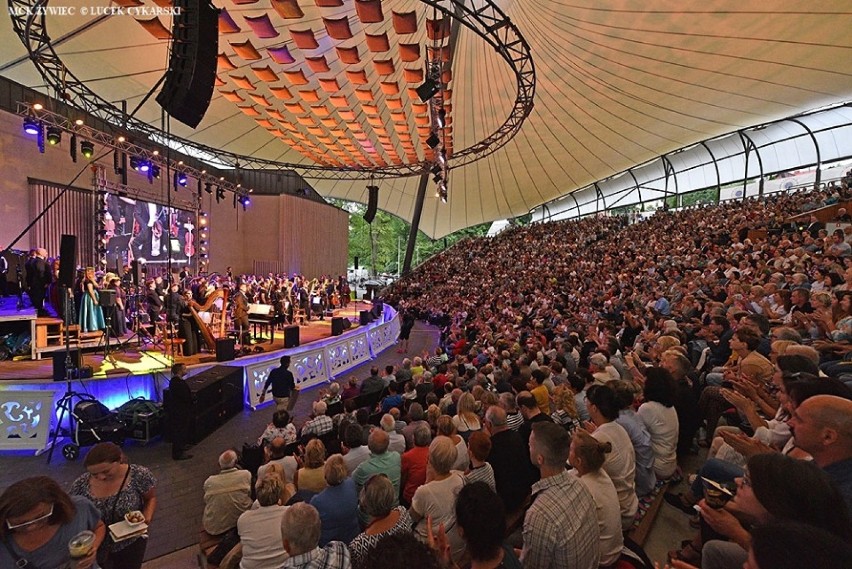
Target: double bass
(195,308)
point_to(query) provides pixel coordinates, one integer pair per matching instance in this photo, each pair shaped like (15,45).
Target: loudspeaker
(346,324)
(372,203)
(192,66)
(291,336)
(67,260)
(59,364)
(336,326)
(356,263)
(106,298)
(224,349)
(364,317)
(134,271)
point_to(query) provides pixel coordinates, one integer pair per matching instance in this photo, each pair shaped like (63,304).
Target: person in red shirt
(414,463)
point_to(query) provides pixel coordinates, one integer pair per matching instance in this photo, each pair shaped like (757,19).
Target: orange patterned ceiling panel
(400,127)
(446,76)
(320,110)
(295,108)
(310,96)
(282,93)
(281,55)
(338,132)
(359,136)
(223,63)
(329,85)
(156,28)
(438,54)
(218,82)
(265,123)
(448,94)
(369,11)
(227,25)
(329,122)
(405,22)
(422,120)
(287,9)
(347,115)
(393,103)
(374,121)
(242,82)
(438,29)
(259,99)
(274,113)
(372,110)
(409,52)
(364,94)
(390,88)
(354,126)
(233,96)
(307,121)
(265,74)
(289,126)
(413,75)
(250,111)
(338,28)
(329,3)
(318,64)
(412,94)
(296,77)
(304,39)
(357,77)
(420,108)
(384,66)
(262,26)
(348,55)
(246,50)
(339,101)
(378,43)
(315,130)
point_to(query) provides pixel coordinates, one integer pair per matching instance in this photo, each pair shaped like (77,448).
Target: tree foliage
(389,237)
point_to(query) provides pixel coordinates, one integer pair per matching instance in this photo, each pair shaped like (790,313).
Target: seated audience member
(565,414)
(625,395)
(337,504)
(791,545)
(660,418)
(514,474)
(320,424)
(356,451)
(560,527)
(514,419)
(685,400)
(466,420)
(437,498)
(381,461)
(377,500)
(277,453)
(416,416)
(300,534)
(311,477)
(259,529)
(38,519)
(587,456)
(479,447)
(482,521)
(374,383)
(396,441)
(620,464)
(393,399)
(352,389)
(226,496)
(402,550)
(447,428)
(281,426)
(414,462)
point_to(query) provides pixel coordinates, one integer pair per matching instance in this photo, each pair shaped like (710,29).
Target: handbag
(20,562)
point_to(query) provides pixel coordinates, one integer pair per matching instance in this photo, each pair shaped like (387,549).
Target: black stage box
(59,365)
(224,349)
(336,326)
(365,317)
(291,336)
(217,395)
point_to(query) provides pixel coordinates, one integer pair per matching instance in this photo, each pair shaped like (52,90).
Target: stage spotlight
(436,169)
(38,106)
(145,166)
(220,194)
(54,135)
(244,201)
(442,118)
(182,179)
(208,187)
(87,149)
(438,178)
(79,122)
(135,163)
(31,125)
(433,140)
(428,89)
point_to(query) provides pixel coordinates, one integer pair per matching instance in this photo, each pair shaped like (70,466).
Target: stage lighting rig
(31,125)
(208,187)
(87,149)
(54,135)
(220,194)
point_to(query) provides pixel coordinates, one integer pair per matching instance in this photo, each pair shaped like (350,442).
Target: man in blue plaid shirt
(300,532)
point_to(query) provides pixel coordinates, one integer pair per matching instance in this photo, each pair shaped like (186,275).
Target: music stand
(106,299)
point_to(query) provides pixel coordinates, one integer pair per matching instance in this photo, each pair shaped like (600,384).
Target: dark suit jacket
(513,471)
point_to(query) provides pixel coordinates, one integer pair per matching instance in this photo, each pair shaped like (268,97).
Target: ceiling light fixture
(31,125)
(54,135)
(87,149)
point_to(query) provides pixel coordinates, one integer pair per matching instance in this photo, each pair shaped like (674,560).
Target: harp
(206,331)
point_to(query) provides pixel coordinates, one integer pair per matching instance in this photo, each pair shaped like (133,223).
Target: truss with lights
(486,20)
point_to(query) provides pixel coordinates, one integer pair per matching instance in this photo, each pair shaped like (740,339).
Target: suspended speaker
(67,260)
(372,203)
(192,66)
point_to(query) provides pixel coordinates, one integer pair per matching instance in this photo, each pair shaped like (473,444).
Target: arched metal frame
(487,21)
(839,117)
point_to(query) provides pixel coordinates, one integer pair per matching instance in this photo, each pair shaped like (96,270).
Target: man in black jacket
(38,277)
(179,412)
(283,384)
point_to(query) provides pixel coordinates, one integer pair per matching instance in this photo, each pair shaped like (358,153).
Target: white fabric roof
(619,82)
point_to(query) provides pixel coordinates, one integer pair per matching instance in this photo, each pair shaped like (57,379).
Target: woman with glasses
(116,488)
(38,519)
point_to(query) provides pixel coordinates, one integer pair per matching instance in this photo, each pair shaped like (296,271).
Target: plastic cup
(715,495)
(81,544)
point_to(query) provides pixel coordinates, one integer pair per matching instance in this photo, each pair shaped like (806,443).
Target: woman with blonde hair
(447,428)
(311,477)
(566,408)
(466,420)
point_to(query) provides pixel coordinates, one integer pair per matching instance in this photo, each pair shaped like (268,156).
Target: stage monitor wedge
(190,78)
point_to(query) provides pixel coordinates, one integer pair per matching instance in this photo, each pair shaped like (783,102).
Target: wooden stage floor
(127,357)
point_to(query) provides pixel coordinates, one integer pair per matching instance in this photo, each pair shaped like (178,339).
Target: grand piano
(262,317)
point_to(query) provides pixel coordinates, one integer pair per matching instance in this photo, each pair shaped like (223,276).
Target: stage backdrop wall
(298,234)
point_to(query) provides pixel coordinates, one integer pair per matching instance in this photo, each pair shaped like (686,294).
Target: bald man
(381,461)
(822,426)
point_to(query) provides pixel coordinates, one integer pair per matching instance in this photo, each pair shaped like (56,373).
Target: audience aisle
(179,484)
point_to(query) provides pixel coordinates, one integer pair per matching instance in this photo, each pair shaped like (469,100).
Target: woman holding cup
(42,526)
(117,488)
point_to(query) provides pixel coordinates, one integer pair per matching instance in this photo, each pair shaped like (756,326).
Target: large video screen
(136,229)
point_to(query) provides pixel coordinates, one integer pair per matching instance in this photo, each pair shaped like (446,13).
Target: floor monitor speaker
(224,349)
(336,326)
(291,336)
